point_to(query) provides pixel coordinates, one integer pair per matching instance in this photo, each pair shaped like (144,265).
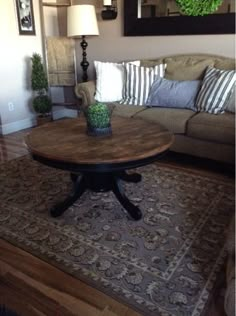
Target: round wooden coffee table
(99,163)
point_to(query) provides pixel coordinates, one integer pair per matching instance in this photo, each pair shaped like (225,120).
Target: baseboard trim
(31,121)
(18,125)
(64,113)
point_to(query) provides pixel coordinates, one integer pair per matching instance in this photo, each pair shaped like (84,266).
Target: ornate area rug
(165,264)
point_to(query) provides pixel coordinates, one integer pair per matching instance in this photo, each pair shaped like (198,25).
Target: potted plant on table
(98,117)
(42,103)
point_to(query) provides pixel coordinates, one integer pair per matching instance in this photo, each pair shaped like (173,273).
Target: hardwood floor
(12,146)
(32,287)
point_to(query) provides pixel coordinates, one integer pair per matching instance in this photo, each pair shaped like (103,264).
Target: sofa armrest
(86,91)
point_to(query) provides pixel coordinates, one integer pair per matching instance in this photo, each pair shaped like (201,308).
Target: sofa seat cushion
(173,119)
(216,128)
(126,110)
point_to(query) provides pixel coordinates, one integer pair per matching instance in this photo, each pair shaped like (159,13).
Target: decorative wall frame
(175,25)
(25,17)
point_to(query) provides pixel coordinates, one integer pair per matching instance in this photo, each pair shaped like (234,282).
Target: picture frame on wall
(25,17)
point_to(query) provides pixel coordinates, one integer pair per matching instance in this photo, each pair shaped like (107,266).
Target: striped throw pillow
(215,90)
(138,82)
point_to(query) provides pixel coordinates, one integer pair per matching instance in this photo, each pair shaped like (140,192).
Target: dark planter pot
(96,131)
(41,120)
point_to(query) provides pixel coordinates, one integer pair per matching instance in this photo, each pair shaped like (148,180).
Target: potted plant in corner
(98,117)
(42,103)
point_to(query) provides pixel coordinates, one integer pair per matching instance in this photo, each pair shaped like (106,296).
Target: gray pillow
(173,93)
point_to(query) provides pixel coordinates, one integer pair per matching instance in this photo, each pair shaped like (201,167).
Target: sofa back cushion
(187,69)
(190,66)
(224,63)
(151,62)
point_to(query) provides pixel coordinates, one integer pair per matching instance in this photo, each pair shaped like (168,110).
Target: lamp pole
(84,63)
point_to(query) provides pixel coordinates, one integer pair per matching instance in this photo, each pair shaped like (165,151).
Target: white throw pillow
(110,81)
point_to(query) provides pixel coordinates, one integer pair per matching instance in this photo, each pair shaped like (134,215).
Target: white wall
(15,64)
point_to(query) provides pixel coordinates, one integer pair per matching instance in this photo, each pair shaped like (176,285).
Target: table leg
(133,210)
(79,188)
(130,177)
(100,183)
(74,177)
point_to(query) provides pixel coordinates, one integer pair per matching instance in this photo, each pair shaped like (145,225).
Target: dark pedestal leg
(134,177)
(74,177)
(133,210)
(79,188)
(100,182)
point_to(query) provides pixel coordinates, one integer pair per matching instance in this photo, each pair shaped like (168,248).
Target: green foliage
(39,81)
(42,104)
(98,115)
(198,7)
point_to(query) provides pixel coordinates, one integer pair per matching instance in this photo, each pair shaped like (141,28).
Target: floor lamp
(82,22)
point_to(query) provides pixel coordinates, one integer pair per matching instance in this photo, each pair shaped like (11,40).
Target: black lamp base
(84,63)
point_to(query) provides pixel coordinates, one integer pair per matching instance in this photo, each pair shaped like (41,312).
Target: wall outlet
(10,106)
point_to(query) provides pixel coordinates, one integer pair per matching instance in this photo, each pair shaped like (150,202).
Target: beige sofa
(196,133)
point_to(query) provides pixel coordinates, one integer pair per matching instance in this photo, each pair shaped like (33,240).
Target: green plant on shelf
(42,103)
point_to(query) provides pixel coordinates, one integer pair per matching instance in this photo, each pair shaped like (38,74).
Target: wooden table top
(67,141)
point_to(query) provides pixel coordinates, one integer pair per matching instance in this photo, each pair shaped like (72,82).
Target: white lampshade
(107,2)
(81,20)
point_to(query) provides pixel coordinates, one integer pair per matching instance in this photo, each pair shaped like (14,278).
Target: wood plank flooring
(32,287)
(13,146)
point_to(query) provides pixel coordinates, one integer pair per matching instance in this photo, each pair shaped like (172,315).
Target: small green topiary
(198,7)
(39,81)
(42,103)
(98,115)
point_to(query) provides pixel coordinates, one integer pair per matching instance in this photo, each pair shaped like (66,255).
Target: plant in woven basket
(41,103)
(98,117)
(198,7)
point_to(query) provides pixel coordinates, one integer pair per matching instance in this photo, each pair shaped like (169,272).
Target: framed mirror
(139,23)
